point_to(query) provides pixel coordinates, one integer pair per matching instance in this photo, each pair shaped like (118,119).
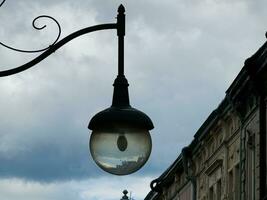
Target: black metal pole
(121,34)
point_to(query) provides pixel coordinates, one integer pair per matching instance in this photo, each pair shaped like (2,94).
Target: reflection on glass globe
(120,153)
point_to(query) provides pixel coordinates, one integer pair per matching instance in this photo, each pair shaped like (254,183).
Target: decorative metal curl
(37,28)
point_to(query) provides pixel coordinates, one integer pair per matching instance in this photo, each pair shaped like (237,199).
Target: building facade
(227,157)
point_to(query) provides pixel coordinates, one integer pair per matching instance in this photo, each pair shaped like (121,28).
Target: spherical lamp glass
(122,152)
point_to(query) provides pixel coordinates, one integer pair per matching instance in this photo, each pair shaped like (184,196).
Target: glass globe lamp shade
(120,142)
(121,152)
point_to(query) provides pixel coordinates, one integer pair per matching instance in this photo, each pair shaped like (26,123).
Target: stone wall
(216,163)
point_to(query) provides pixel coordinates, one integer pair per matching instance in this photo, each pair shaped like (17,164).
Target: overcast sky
(180,57)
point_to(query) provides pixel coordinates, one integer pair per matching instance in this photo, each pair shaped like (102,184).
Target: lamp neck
(120,94)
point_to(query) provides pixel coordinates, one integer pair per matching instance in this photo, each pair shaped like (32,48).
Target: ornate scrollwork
(55,45)
(37,28)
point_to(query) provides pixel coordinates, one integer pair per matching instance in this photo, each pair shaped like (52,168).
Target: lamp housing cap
(112,117)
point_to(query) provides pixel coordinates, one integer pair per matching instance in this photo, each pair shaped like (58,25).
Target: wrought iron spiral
(37,28)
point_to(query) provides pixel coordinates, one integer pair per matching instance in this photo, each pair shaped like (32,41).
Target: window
(219,189)
(237,182)
(211,194)
(230,189)
(250,168)
(186,192)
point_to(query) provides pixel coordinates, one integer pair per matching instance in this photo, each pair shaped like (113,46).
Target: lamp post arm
(56,46)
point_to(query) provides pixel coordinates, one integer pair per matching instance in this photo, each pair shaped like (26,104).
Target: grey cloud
(180,58)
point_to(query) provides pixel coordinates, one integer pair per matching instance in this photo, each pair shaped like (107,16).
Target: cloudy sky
(180,57)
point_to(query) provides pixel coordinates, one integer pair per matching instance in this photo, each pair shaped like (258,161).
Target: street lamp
(120,142)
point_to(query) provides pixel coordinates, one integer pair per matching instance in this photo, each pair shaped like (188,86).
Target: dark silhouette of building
(227,157)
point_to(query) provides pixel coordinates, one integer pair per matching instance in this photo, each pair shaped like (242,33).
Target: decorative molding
(215,165)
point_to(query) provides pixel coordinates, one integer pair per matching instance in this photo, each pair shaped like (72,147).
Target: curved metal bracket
(56,46)
(119,26)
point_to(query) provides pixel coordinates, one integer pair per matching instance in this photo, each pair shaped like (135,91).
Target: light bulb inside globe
(122,142)
(120,152)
